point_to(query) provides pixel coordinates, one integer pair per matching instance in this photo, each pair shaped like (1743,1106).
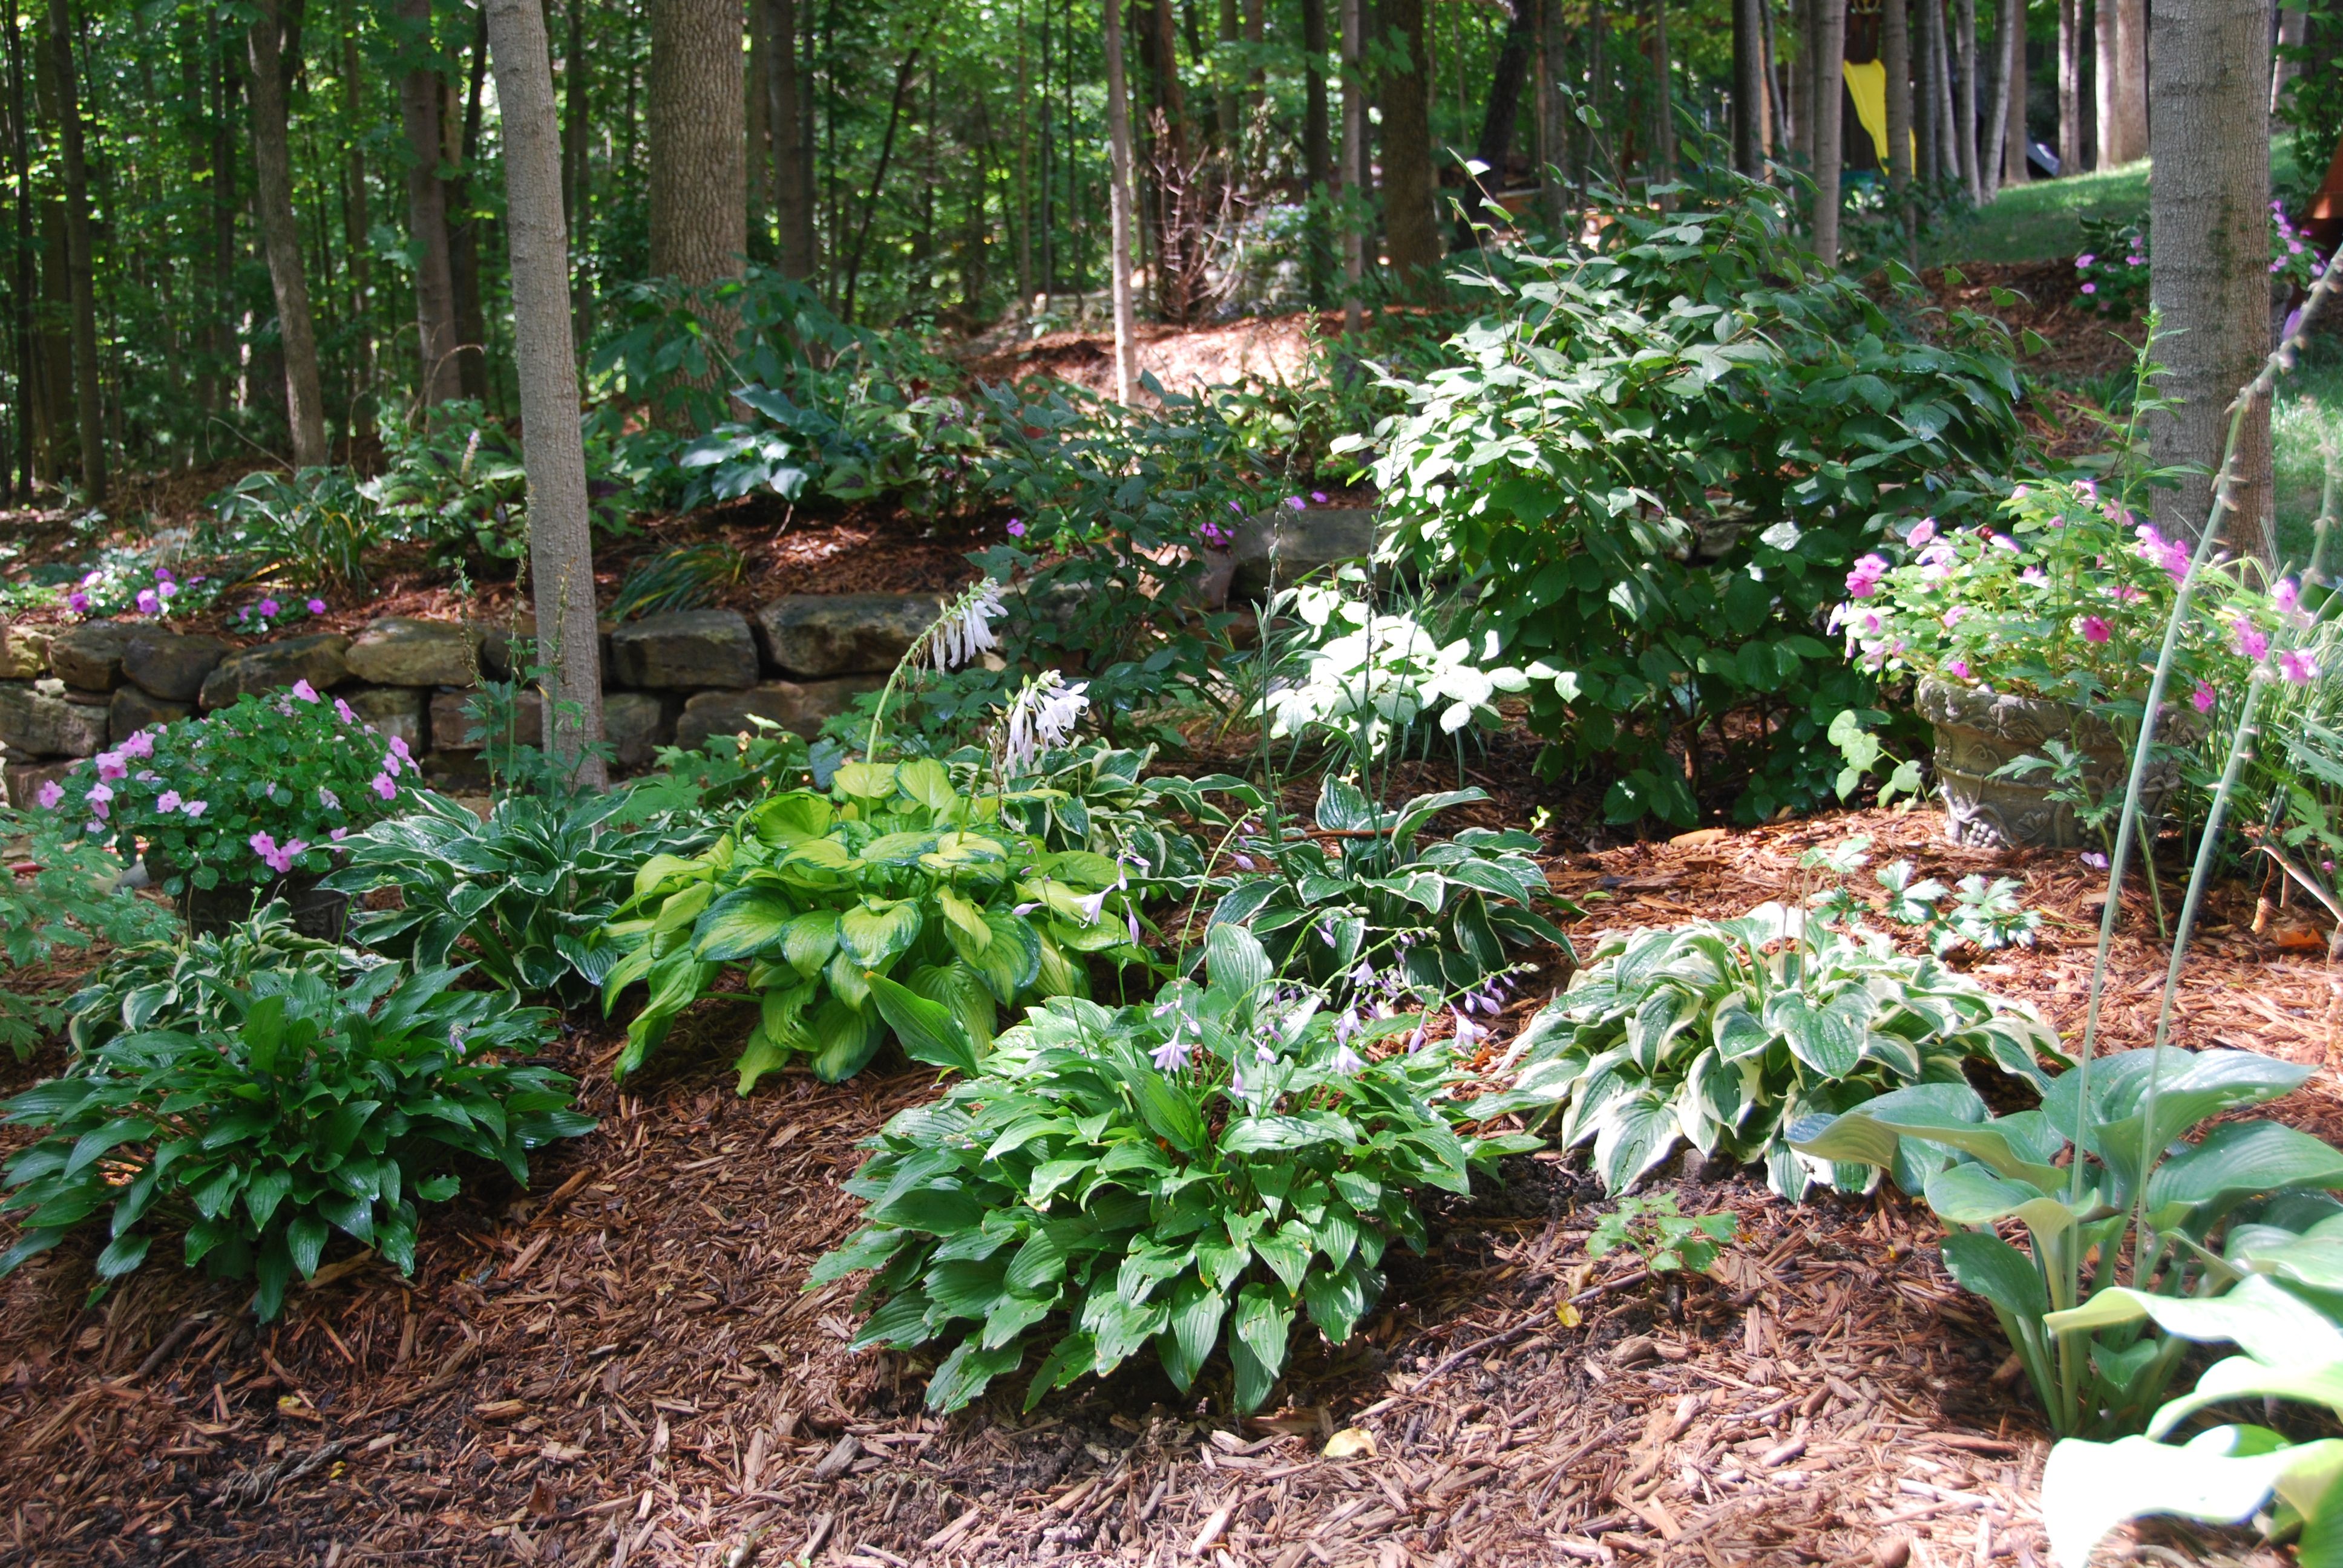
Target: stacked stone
(678,678)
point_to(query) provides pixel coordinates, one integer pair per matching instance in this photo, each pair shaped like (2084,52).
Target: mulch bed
(623,1367)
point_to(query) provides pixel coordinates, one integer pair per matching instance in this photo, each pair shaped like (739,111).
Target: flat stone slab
(403,650)
(173,665)
(37,723)
(636,724)
(90,656)
(23,653)
(272,666)
(134,708)
(800,706)
(1304,543)
(686,650)
(813,636)
(392,710)
(21,781)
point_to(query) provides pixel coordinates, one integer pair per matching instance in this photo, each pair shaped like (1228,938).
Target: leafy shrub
(1427,920)
(57,894)
(2111,270)
(1727,1032)
(1659,460)
(1195,1172)
(1665,1238)
(306,1108)
(899,871)
(314,525)
(2138,1198)
(454,480)
(250,793)
(189,984)
(524,890)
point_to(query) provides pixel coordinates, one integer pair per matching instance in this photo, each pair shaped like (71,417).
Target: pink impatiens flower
(2203,698)
(1016,528)
(2251,641)
(1922,532)
(195,808)
(148,603)
(139,745)
(2094,628)
(304,691)
(342,710)
(1864,580)
(384,787)
(1958,668)
(51,793)
(169,800)
(2295,667)
(317,607)
(110,764)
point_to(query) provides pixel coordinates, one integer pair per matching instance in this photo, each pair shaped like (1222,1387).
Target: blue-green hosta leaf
(1118,1326)
(1970,1195)
(1197,1310)
(1287,1253)
(2243,1377)
(965,1288)
(964,1373)
(1012,1315)
(2264,1318)
(1985,1265)
(2221,1476)
(931,1032)
(2238,1159)
(844,1040)
(1235,960)
(1338,1298)
(1007,962)
(1257,1342)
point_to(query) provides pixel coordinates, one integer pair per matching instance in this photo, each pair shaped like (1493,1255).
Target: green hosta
(1726,1031)
(2096,1372)
(2282,1316)
(307,1107)
(897,872)
(197,982)
(1202,1170)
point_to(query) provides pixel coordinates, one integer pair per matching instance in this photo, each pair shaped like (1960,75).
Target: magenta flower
(195,808)
(317,607)
(1922,532)
(2250,640)
(268,609)
(1958,668)
(165,590)
(148,603)
(1296,503)
(78,602)
(1319,496)
(2295,667)
(169,800)
(343,712)
(2090,288)
(139,745)
(99,794)
(383,785)
(262,844)
(2202,698)
(163,574)
(398,745)
(51,793)
(1016,528)
(2084,260)
(111,766)
(304,691)
(338,834)
(2094,628)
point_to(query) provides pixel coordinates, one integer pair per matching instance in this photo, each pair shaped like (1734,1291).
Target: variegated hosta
(1725,1031)
(1201,1170)
(895,873)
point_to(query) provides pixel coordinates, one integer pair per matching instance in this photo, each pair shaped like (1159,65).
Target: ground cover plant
(59,896)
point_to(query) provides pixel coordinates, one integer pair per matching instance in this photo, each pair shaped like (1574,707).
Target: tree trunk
(792,159)
(1317,150)
(1802,82)
(1830,59)
(1174,214)
(1965,96)
(576,71)
(2015,137)
(1777,109)
(2106,70)
(358,225)
(1664,107)
(88,418)
(438,377)
(757,112)
(1410,232)
(1118,132)
(2070,89)
(464,226)
(1748,86)
(1497,124)
(1926,117)
(2292,25)
(280,237)
(560,546)
(20,290)
(1553,51)
(2208,222)
(1895,58)
(1993,129)
(1347,182)
(698,182)
(2131,78)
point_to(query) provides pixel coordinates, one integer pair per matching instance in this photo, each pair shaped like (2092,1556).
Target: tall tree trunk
(1748,85)
(1497,123)
(464,224)
(1228,103)
(560,546)
(1802,82)
(438,377)
(2131,78)
(1118,133)
(80,268)
(1317,150)
(2105,57)
(1895,58)
(1664,106)
(792,147)
(757,118)
(1777,110)
(575,73)
(1965,96)
(698,194)
(1830,60)
(1410,232)
(359,224)
(2014,137)
(1993,129)
(2070,89)
(21,277)
(2208,229)
(1949,166)
(1347,183)
(2292,25)
(280,236)
(1925,115)
(1553,81)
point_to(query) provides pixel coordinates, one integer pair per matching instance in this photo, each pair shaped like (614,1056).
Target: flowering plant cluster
(129,583)
(251,793)
(1194,1172)
(2066,599)
(2111,270)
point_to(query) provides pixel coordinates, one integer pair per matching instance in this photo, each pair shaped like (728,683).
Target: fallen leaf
(499,1409)
(1567,1315)
(1696,838)
(1351,1442)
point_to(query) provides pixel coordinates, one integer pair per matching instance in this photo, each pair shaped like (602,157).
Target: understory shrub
(311,527)
(57,894)
(1194,1172)
(2137,1206)
(1657,461)
(899,871)
(1727,1032)
(308,1105)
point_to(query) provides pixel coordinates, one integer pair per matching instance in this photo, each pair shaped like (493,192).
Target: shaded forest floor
(621,1366)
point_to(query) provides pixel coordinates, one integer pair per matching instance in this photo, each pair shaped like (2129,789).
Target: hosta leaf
(875,935)
(1197,1310)
(965,1372)
(741,924)
(1338,1299)
(1257,1342)
(808,940)
(844,1040)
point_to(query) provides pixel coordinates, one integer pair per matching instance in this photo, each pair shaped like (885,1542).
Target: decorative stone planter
(1979,731)
(209,912)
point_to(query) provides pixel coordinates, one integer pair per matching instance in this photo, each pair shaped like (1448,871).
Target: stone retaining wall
(681,678)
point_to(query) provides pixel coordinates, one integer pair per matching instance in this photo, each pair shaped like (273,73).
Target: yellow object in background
(1867,84)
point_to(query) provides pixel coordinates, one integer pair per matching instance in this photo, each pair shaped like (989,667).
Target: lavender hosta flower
(1092,907)
(966,630)
(1346,1061)
(1347,1025)
(1415,1041)
(1244,862)
(1172,1054)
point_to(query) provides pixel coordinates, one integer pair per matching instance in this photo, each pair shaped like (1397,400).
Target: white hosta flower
(1043,714)
(966,628)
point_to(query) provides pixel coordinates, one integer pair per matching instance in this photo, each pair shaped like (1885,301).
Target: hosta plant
(524,890)
(2105,1217)
(898,871)
(1198,1171)
(2282,1315)
(1725,1032)
(192,983)
(308,1107)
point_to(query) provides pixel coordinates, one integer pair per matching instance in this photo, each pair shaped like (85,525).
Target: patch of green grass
(2309,406)
(2043,219)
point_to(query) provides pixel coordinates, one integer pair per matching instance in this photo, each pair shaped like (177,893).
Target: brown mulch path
(622,1367)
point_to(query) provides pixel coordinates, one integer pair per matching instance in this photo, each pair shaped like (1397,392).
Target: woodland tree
(280,234)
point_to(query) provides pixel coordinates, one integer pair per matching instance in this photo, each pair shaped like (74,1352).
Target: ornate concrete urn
(1977,731)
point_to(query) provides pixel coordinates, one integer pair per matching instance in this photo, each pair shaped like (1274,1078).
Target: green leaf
(1985,1265)
(1263,1323)
(968,1369)
(874,934)
(1338,1298)
(929,782)
(844,1040)
(1197,1310)
(931,1032)
(741,924)
(808,940)
(2221,1477)
(865,780)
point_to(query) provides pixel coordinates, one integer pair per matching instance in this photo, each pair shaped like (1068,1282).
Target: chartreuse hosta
(1725,1031)
(897,872)
(2159,1224)
(1201,1170)
(2282,1315)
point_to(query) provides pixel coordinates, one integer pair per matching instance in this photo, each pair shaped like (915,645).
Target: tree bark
(560,546)
(464,224)
(699,179)
(1410,232)
(80,269)
(1895,59)
(2131,77)
(438,377)
(20,290)
(1553,50)
(757,112)
(2208,221)
(1118,132)
(357,224)
(2109,138)
(1830,59)
(1498,119)
(1964,97)
(792,160)
(1927,117)
(1353,159)
(1802,81)
(1993,129)
(2015,137)
(1317,149)
(1663,109)
(280,237)
(2070,89)
(1748,86)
